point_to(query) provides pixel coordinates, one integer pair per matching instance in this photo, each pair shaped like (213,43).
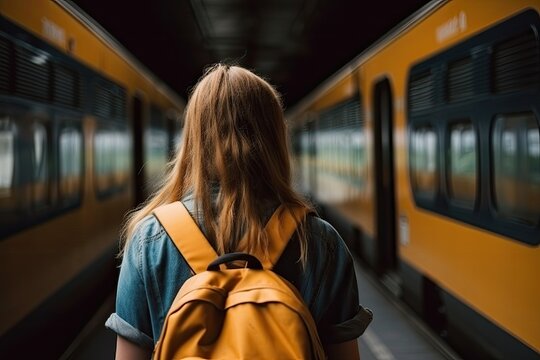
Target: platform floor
(394,334)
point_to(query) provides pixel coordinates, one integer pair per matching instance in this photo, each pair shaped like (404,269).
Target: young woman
(231,173)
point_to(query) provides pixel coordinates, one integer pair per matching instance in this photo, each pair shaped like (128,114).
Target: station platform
(394,334)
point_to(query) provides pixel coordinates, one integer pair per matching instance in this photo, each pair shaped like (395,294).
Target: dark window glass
(109,100)
(70,163)
(421,91)
(5,56)
(7,156)
(462,164)
(13,198)
(424,161)
(111,159)
(460,81)
(340,150)
(40,159)
(516,167)
(67,86)
(32,73)
(516,63)
(156,149)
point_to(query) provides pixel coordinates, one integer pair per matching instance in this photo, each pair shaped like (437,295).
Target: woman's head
(235,133)
(234,138)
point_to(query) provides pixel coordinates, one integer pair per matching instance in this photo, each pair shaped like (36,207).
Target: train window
(174,129)
(358,148)
(13,195)
(307,154)
(491,75)
(32,73)
(533,154)
(423,160)
(7,156)
(40,158)
(156,155)
(340,151)
(516,63)
(123,156)
(67,86)
(70,163)
(462,164)
(515,151)
(109,100)
(111,159)
(178,133)
(460,82)
(421,91)
(5,54)
(104,154)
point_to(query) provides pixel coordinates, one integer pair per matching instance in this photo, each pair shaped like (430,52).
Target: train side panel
(469,276)
(53,259)
(498,270)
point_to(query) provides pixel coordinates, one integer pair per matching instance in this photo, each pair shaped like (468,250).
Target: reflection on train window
(533,154)
(156,140)
(307,149)
(177,131)
(462,166)
(335,152)
(516,167)
(40,159)
(156,149)
(7,156)
(358,149)
(111,160)
(70,163)
(424,161)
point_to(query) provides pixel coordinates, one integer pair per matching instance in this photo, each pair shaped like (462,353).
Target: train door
(138,149)
(384,177)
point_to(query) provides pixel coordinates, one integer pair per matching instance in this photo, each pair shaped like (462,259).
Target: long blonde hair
(234,135)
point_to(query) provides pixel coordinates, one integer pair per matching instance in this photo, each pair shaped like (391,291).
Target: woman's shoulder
(150,226)
(321,227)
(323,238)
(147,229)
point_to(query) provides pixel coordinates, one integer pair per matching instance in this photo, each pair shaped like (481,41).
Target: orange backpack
(240,313)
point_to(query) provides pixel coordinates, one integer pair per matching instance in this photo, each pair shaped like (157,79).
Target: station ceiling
(295,44)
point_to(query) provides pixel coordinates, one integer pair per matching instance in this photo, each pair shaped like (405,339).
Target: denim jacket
(153,270)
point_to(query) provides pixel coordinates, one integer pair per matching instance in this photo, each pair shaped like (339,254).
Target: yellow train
(84,130)
(424,151)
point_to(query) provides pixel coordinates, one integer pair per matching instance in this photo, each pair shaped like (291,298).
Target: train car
(424,152)
(85,130)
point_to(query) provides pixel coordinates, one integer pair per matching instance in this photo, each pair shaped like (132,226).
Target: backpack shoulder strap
(186,235)
(280,229)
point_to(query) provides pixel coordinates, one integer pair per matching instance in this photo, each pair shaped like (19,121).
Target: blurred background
(295,44)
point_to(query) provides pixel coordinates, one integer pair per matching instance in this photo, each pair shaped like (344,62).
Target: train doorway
(384,177)
(138,150)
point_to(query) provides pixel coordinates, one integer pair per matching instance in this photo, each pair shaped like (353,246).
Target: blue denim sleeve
(132,318)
